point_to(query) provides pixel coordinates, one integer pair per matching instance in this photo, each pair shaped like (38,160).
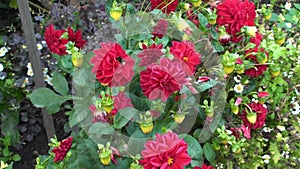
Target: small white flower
(288,6)
(237,79)
(1,67)
(3,51)
(238,88)
(288,25)
(266,158)
(295,110)
(267,129)
(48,79)
(45,70)
(44,43)
(39,46)
(254,100)
(29,69)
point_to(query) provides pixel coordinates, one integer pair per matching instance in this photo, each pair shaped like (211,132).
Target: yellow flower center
(170,161)
(239,87)
(185,58)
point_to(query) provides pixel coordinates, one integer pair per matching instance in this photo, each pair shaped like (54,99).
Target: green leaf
(203,21)
(202,86)
(217,46)
(122,164)
(194,148)
(65,63)
(274,152)
(13,4)
(209,152)
(136,145)
(16,157)
(123,117)
(101,129)
(60,84)
(46,98)
(9,129)
(297,6)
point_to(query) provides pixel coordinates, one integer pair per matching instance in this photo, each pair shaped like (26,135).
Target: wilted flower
(167,151)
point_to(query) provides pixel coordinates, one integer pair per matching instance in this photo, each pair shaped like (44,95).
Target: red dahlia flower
(160,81)
(234,14)
(112,65)
(258,69)
(61,151)
(186,52)
(204,166)
(160,29)
(76,38)
(166,152)
(257,39)
(261,113)
(150,54)
(167,6)
(55,43)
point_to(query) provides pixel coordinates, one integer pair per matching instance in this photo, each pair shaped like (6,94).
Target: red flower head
(76,38)
(160,81)
(55,43)
(258,69)
(121,101)
(186,52)
(234,14)
(261,113)
(61,151)
(167,6)
(257,39)
(160,29)
(166,152)
(98,115)
(112,65)
(150,54)
(204,166)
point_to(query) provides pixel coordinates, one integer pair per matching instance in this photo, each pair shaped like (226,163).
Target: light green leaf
(60,84)
(46,98)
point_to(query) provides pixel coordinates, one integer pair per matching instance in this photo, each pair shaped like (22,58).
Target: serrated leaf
(46,98)
(209,152)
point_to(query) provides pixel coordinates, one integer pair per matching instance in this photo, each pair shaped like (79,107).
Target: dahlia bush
(181,84)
